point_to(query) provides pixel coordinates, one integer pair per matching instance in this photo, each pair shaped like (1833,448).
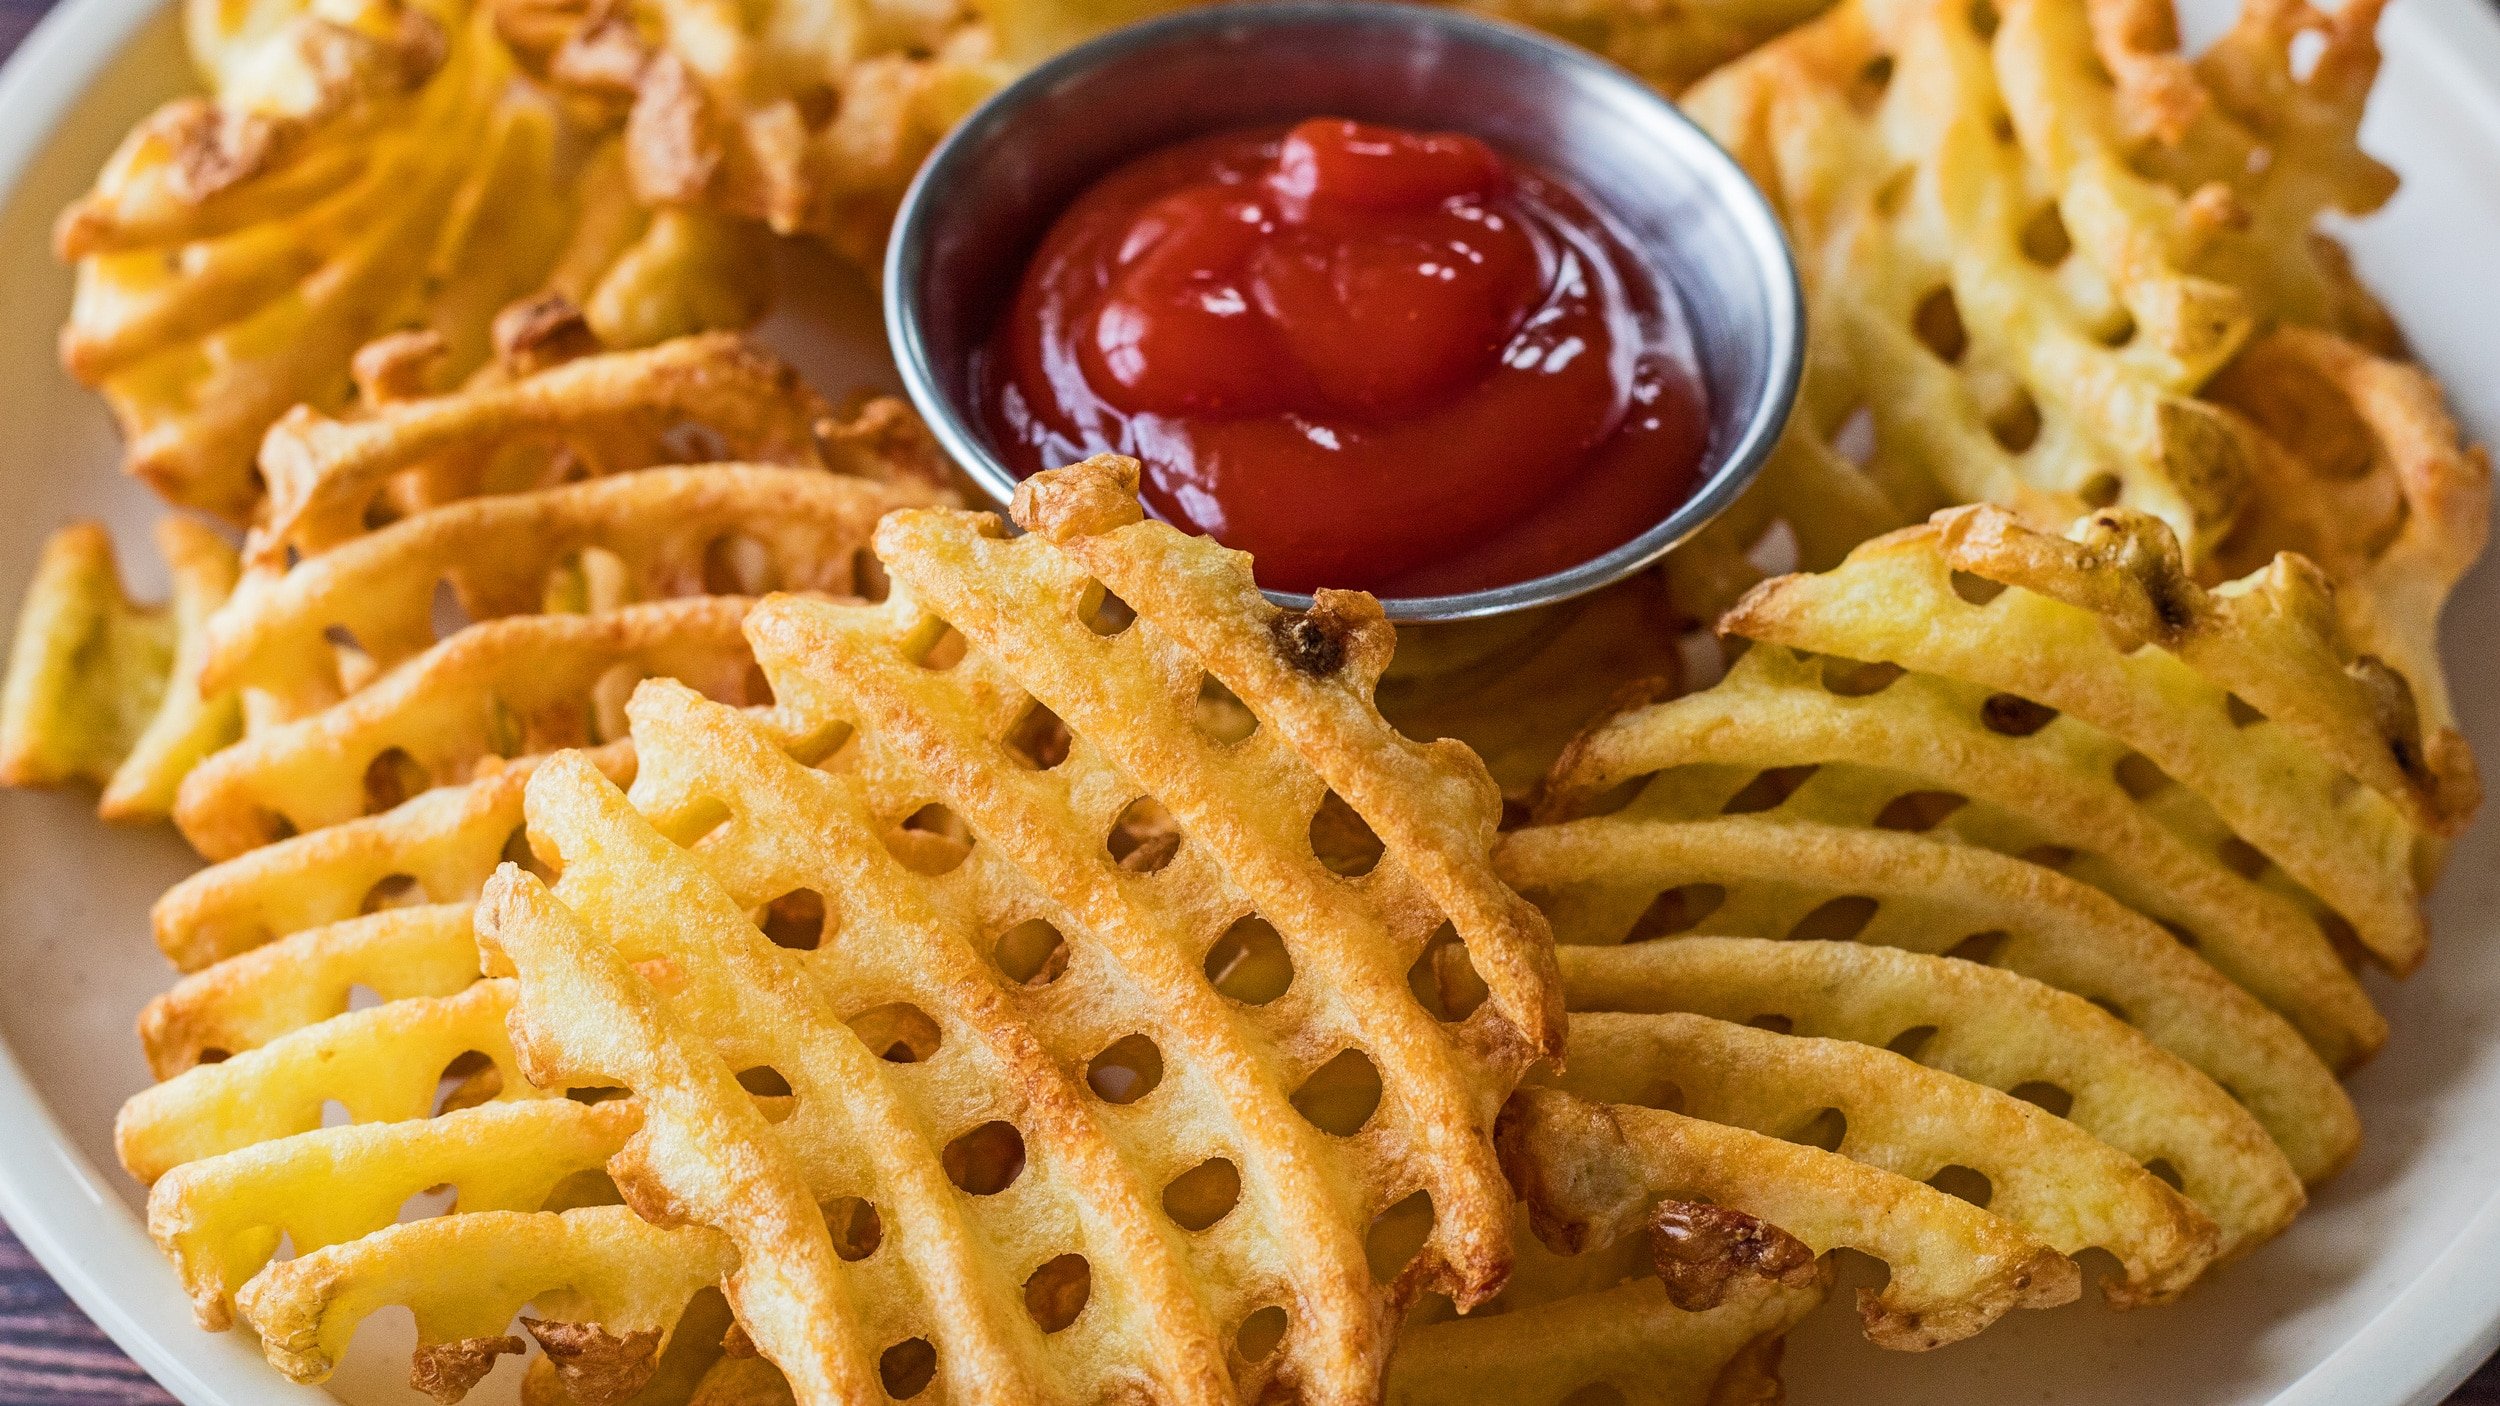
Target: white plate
(2387,1293)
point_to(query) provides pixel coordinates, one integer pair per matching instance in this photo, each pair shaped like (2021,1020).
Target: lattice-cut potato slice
(1611,880)
(254,997)
(595,414)
(368,166)
(600,1276)
(1988,1026)
(1668,45)
(2034,1169)
(220,1219)
(1782,734)
(1611,1318)
(2363,473)
(504,689)
(382,1064)
(103,690)
(1895,603)
(1593,1173)
(437,847)
(657,534)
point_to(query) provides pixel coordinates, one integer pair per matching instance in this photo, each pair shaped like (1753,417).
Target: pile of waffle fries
(695,910)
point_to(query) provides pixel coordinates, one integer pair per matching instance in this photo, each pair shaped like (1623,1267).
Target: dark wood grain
(52,1355)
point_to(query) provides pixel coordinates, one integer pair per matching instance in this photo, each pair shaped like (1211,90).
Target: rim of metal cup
(1764,242)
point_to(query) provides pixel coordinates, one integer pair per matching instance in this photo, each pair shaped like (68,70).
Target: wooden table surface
(50,1355)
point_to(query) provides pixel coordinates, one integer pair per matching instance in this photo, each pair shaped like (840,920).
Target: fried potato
(100,689)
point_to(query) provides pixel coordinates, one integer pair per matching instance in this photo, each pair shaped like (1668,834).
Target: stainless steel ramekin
(982,202)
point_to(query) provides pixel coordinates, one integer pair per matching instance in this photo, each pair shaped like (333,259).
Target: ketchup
(1373,358)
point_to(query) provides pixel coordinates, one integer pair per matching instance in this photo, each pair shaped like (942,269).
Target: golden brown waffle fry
(103,690)
(1612,880)
(1669,45)
(1613,1317)
(2268,733)
(500,690)
(1219,1071)
(1594,1173)
(1991,1027)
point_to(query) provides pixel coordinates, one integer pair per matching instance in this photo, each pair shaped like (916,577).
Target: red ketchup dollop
(1373,358)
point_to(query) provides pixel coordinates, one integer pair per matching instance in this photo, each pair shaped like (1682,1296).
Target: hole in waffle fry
(2119,333)
(795,920)
(1249,962)
(1911,1043)
(2161,1168)
(391,778)
(2139,775)
(2011,716)
(470,1079)
(1444,978)
(588,1187)
(2241,857)
(986,1160)
(2045,1095)
(1678,910)
(1836,920)
(2241,714)
(392,891)
(2341,936)
(1774,553)
(1894,193)
(1203,1195)
(2044,238)
(855,1226)
(764,1081)
(2048,856)
(736,564)
(1127,1070)
(1341,1095)
(1615,797)
(691,825)
(1827,1130)
(210,1054)
(609,694)
(823,745)
(1144,837)
(755,690)
(1855,439)
(1768,790)
(1981,947)
(517,851)
(2306,49)
(1260,1333)
(1032,953)
(1776,1024)
(1221,714)
(335,1114)
(1872,80)
(1104,613)
(1342,840)
(2100,490)
(448,615)
(868,579)
(1954,1179)
(897,1032)
(1397,1235)
(1596,1394)
(343,640)
(1057,1292)
(1938,325)
(1852,678)
(1917,812)
(1976,590)
(907,1368)
(1039,739)
(2015,424)
(932,840)
(936,646)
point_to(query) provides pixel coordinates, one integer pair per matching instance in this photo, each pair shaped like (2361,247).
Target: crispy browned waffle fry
(100,689)
(1593,1173)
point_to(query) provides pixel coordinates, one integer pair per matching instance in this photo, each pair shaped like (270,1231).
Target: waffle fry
(100,689)
(1667,45)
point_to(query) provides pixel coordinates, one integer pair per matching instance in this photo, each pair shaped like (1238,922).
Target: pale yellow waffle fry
(1222,1068)
(1592,1174)
(1610,1319)
(2362,472)
(657,534)
(496,691)
(1988,1026)
(353,174)
(1612,880)
(2248,748)
(103,690)
(1793,735)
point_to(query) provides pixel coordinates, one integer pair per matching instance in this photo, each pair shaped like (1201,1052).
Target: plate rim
(2416,1350)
